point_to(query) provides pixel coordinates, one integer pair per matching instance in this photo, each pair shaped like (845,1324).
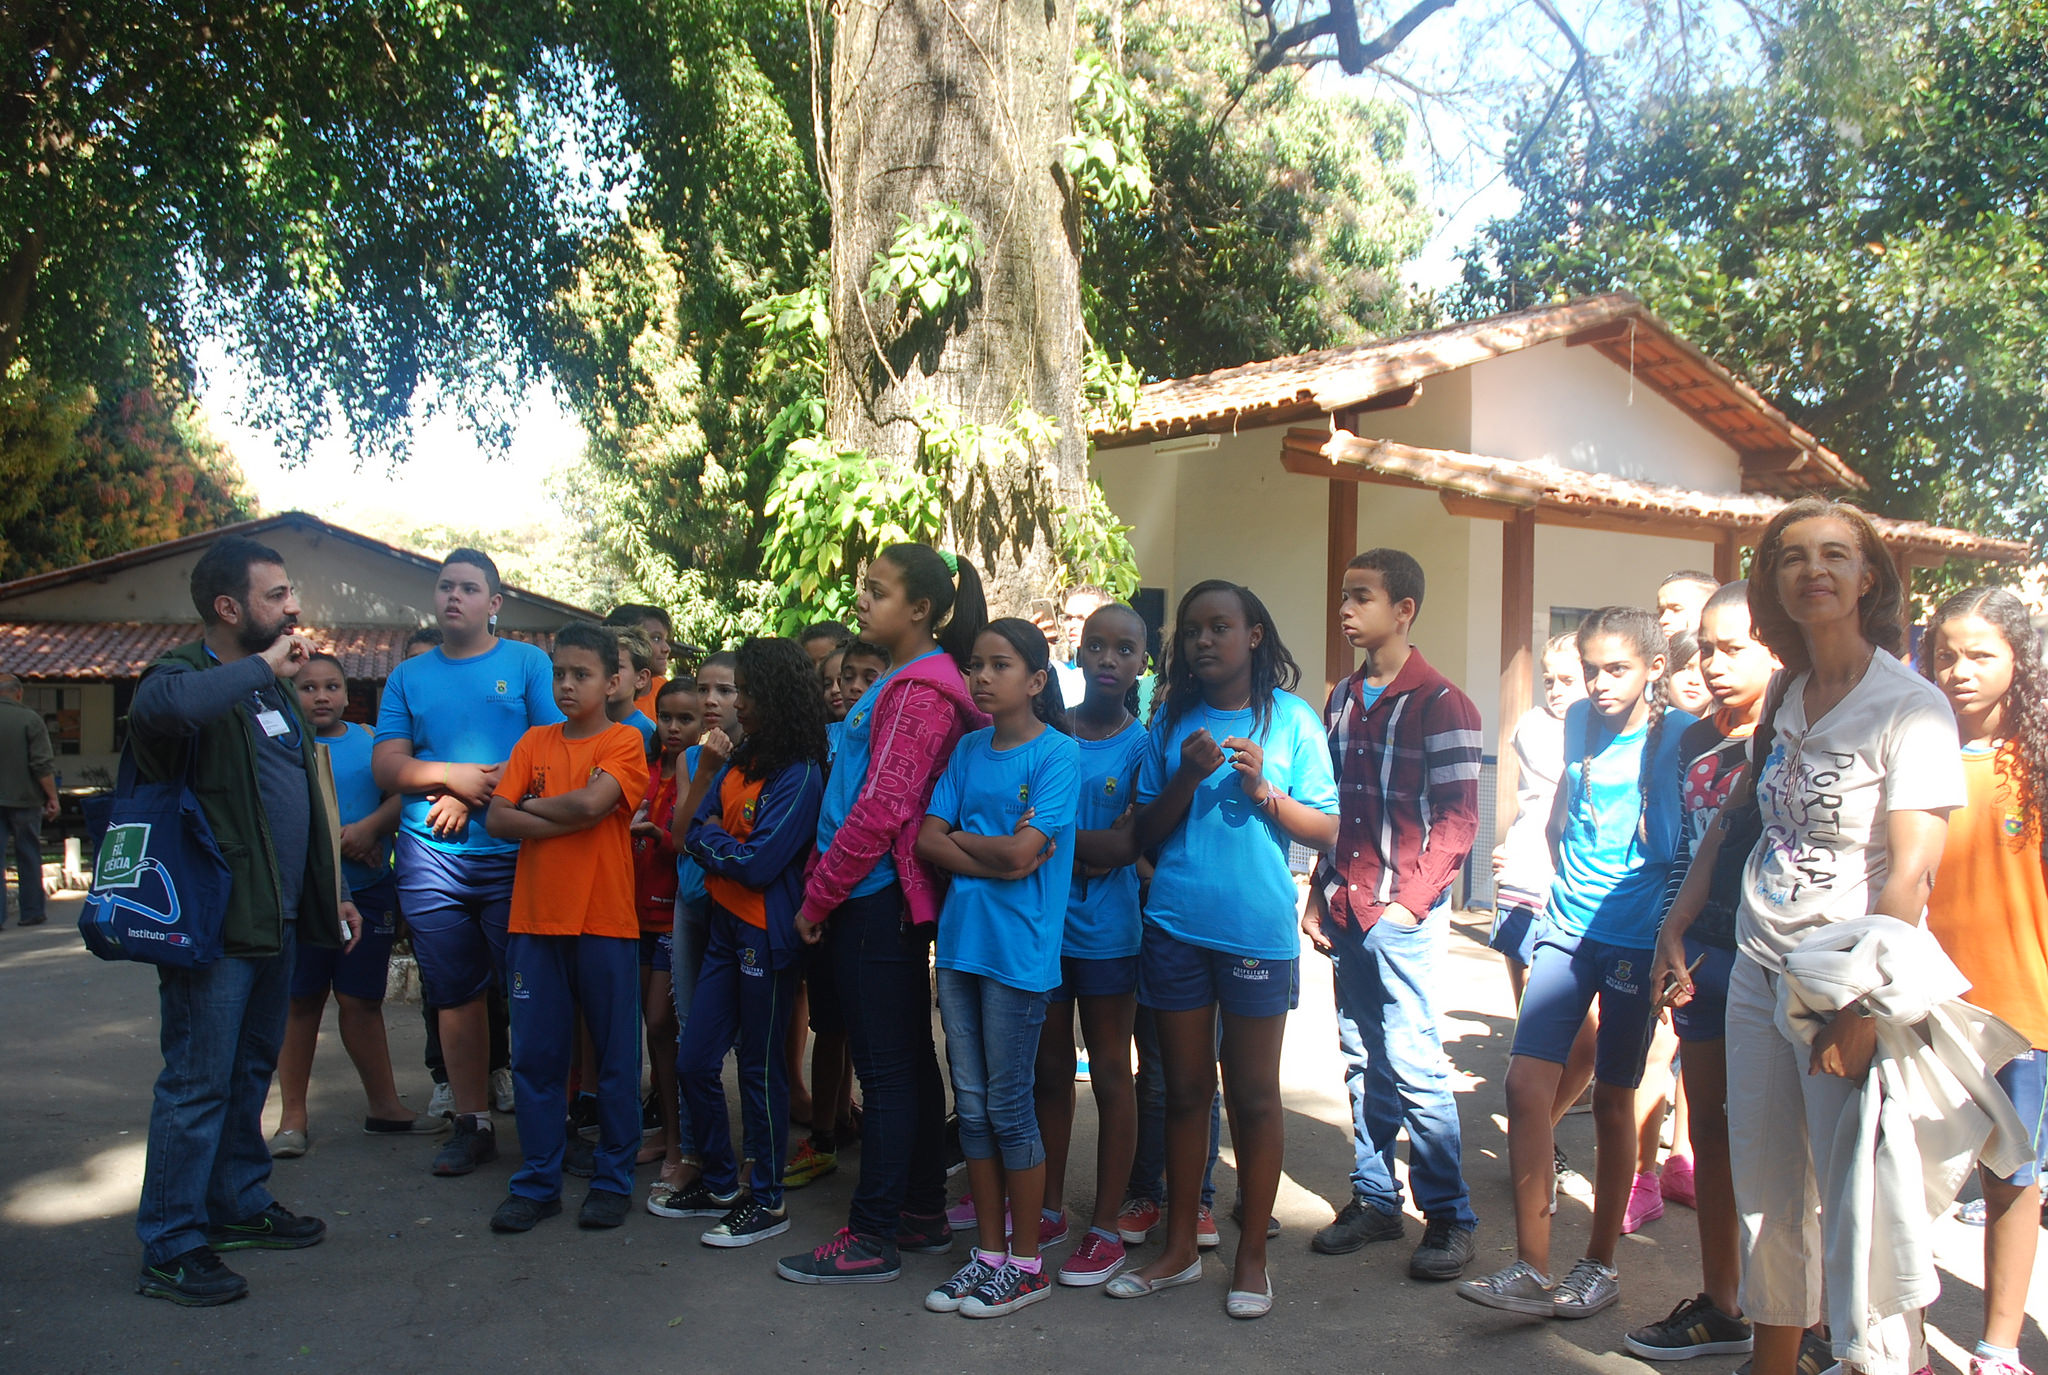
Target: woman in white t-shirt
(1855,791)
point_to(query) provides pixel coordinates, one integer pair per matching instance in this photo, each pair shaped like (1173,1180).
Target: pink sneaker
(960,1216)
(1980,1366)
(1645,1204)
(1676,1182)
(1052,1231)
(1135,1221)
(1206,1236)
(1093,1261)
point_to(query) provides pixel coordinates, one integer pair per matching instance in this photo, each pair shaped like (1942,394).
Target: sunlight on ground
(97,1187)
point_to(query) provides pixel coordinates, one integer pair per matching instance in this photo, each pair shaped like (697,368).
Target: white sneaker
(442,1104)
(501,1090)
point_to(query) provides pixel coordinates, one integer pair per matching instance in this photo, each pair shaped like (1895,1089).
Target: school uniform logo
(1252,971)
(1109,786)
(747,810)
(1023,792)
(2013,826)
(519,986)
(749,965)
(503,687)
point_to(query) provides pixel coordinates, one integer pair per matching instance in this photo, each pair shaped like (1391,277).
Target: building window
(60,708)
(1564,620)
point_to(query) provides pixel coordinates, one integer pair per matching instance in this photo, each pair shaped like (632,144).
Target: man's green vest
(224,780)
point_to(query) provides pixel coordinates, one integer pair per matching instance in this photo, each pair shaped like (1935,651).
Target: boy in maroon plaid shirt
(1406,747)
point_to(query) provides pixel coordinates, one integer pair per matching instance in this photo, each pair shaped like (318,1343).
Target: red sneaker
(1207,1238)
(1093,1261)
(1136,1219)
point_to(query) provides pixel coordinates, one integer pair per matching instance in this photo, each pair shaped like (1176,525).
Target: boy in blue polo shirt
(449,720)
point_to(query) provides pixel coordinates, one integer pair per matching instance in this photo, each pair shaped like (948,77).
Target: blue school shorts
(1174,976)
(657,950)
(1515,927)
(361,973)
(2025,1081)
(457,908)
(1705,1018)
(1081,978)
(1567,973)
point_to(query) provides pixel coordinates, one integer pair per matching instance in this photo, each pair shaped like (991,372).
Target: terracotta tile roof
(103,652)
(1776,455)
(1568,496)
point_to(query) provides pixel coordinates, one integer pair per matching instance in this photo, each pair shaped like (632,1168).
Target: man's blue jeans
(25,833)
(1395,1069)
(208,1162)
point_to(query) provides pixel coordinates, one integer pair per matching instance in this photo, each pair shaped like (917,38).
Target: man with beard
(224,707)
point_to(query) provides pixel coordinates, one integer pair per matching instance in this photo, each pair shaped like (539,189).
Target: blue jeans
(551,977)
(992,1050)
(739,994)
(25,831)
(1148,1163)
(208,1162)
(885,988)
(1395,1069)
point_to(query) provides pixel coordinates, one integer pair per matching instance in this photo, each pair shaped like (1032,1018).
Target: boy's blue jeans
(550,977)
(1395,1069)
(208,1162)
(1148,1164)
(992,1050)
(739,993)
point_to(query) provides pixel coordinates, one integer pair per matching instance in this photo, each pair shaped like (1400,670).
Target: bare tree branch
(1354,53)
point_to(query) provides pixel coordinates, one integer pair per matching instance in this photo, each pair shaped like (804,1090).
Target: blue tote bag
(159,885)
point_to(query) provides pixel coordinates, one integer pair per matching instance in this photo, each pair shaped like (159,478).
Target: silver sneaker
(501,1090)
(1516,1288)
(968,1278)
(442,1104)
(1589,1288)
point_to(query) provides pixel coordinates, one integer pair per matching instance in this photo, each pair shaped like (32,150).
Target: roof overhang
(106,652)
(1477,485)
(1775,455)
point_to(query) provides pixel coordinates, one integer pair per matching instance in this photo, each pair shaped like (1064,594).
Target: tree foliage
(1860,232)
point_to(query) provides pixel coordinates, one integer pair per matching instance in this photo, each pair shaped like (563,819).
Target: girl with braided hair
(1989,907)
(1614,830)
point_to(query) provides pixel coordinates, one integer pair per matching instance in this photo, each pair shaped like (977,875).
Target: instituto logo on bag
(123,856)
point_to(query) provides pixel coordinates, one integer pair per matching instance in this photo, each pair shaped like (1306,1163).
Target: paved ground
(411,1278)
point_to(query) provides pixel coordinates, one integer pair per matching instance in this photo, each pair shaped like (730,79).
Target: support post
(1338,656)
(1517,653)
(1728,557)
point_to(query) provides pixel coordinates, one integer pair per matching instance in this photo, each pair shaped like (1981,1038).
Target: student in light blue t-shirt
(1237,768)
(445,728)
(1001,821)
(1099,954)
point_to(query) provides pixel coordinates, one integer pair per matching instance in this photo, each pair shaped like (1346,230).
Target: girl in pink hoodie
(925,608)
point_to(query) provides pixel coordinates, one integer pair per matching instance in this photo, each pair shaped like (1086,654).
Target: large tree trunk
(962,103)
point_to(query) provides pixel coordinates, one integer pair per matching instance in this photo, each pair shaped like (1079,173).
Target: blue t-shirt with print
(689,873)
(1616,854)
(1009,930)
(1222,881)
(850,774)
(1103,921)
(358,795)
(466,711)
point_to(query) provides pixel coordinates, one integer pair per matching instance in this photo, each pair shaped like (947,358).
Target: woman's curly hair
(1880,609)
(2023,754)
(789,711)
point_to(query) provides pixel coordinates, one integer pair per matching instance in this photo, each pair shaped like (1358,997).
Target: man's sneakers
(808,1166)
(1645,1204)
(848,1258)
(927,1235)
(195,1279)
(1094,1260)
(521,1214)
(694,1200)
(603,1209)
(1588,1288)
(276,1228)
(579,1157)
(469,1147)
(442,1103)
(1358,1224)
(502,1098)
(1445,1251)
(1136,1219)
(1694,1328)
(748,1223)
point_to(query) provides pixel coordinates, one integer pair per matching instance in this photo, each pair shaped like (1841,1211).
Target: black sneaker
(926,1236)
(469,1147)
(1357,1225)
(747,1224)
(650,1115)
(849,1258)
(602,1209)
(1815,1355)
(1006,1291)
(1445,1251)
(195,1279)
(1694,1328)
(520,1214)
(1237,1216)
(697,1200)
(583,1116)
(276,1228)
(579,1157)
(956,1158)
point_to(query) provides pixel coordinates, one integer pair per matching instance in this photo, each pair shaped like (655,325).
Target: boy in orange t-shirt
(567,795)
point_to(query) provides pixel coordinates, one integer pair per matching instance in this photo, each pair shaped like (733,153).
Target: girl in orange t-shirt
(1989,907)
